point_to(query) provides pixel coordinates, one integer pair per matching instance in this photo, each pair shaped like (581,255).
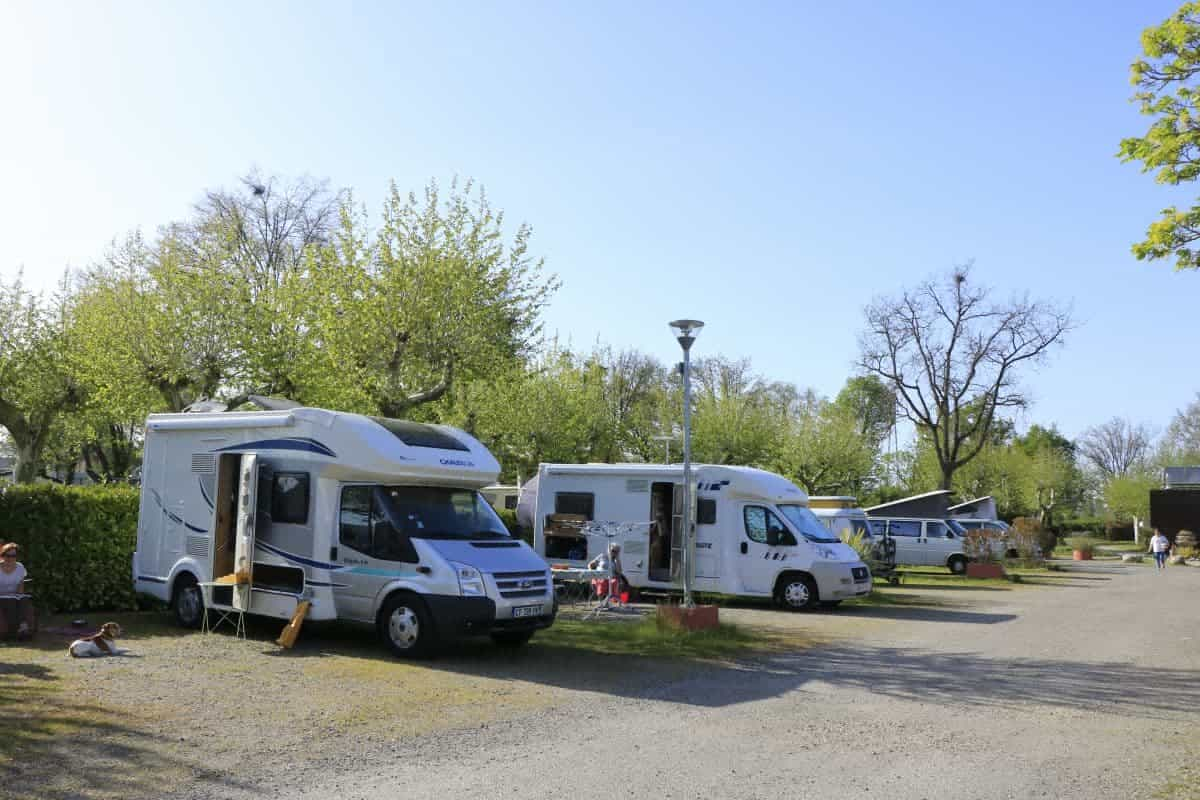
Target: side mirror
(772,537)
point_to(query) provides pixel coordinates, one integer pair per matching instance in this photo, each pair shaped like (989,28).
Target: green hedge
(76,542)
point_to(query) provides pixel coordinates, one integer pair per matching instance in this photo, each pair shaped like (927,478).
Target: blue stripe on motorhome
(383,573)
(204,494)
(308,562)
(150,579)
(323,584)
(175,517)
(302,444)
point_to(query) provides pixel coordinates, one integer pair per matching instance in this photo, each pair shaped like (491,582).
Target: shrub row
(76,543)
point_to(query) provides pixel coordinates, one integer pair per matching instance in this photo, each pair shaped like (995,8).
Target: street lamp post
(686,331)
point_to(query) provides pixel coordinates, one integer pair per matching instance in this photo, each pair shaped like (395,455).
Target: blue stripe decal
(204,494)
(308,562)
(175,517)
(149,579)
(295,443)
(323,584)
(383,573)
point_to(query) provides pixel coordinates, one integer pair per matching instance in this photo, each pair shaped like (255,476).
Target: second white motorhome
(755,535)
(372,520)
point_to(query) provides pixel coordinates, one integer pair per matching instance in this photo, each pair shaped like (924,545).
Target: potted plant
(983,548)
(1081,547)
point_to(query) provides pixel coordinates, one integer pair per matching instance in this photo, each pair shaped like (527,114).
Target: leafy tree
(872,403)
(1165,77)
(1128,496)
(952,356)
(825,451)
(35,385)
(437,294)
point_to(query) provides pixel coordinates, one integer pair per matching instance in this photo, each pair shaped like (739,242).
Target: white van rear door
(247,509)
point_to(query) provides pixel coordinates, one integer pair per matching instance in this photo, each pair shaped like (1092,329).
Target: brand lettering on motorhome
(456,462)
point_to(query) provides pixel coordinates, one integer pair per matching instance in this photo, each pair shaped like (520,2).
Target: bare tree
(1116,447)
(952,356)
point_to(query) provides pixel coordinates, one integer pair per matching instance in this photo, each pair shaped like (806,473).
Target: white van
(755,535)
(373,520)
(925,542)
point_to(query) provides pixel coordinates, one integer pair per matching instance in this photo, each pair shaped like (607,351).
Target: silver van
(925,542)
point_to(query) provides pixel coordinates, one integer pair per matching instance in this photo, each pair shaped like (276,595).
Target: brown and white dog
(101,644)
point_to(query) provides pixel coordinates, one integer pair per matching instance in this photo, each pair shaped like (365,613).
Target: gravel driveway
(1085,689)
(1086,686)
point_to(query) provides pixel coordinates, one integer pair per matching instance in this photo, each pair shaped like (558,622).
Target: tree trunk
(26,468)
(947,476)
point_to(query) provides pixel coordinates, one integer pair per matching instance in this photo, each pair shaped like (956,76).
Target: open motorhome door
(247,505)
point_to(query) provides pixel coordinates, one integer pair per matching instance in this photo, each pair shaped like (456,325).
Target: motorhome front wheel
(797,592)
(406,626)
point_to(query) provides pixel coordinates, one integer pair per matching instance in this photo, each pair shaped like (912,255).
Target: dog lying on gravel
(101,644)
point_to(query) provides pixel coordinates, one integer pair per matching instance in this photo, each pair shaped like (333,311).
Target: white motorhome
(755,535)
(372,520)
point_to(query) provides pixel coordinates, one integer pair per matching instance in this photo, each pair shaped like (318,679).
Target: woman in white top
(16,607)
(1160,546)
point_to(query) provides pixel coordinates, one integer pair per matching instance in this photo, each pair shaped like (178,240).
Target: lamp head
(686,331)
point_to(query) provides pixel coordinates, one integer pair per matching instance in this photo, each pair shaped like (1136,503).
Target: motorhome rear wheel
(187,602)
(957,565)
(406,626)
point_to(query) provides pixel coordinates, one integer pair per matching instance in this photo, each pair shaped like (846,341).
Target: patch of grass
(1122,547)
(652,638)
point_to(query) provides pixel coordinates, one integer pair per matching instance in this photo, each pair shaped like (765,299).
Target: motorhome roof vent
(416,434)
(204,463)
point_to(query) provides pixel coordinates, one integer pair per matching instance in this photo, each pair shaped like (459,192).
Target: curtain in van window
(909,528)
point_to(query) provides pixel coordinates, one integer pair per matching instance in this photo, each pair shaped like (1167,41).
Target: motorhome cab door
(764,542)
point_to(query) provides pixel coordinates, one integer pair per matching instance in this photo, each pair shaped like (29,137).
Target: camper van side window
(582,503)
(289,498)
(355,520)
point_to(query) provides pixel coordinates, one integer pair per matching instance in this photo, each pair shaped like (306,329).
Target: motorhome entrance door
(243,552)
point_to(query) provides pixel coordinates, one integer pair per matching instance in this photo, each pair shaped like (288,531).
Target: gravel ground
(1085,687)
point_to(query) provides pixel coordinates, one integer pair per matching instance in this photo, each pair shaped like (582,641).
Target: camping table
(233,616)
(574,584)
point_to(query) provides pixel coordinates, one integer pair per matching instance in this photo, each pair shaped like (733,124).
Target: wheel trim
(796,594)
(404,628)
(190,604)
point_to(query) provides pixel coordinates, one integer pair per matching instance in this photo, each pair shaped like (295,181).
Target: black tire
(406,626)
(1012,554)
(796,592)
(830,604)
(511,639)
(957,565)
(187,601)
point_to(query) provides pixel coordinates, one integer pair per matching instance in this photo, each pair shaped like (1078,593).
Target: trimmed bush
(76,542)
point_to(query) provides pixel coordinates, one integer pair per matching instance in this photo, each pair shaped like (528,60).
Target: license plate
(527,611)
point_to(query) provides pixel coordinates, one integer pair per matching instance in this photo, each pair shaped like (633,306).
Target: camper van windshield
(807,524)
(432,512)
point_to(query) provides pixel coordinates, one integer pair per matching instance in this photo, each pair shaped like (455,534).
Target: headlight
(827,553)
(470,581)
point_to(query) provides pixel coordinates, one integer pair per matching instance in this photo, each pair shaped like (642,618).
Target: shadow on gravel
(925,614)
(971,680)
(59,746)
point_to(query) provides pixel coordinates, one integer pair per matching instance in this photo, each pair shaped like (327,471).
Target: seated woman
(610,561)
(16,607)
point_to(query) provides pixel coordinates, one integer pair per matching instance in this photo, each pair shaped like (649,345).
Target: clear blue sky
(767,168)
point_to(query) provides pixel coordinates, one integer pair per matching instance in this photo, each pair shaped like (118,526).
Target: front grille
(521,584)
(860,574)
